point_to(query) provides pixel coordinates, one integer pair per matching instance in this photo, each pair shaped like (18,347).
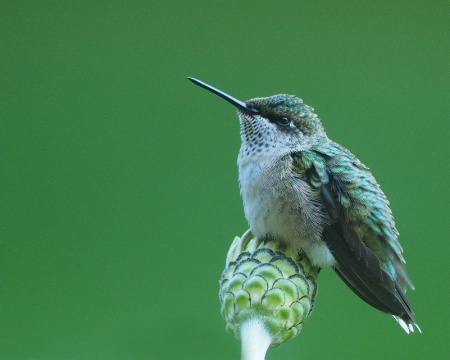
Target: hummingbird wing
(361,231)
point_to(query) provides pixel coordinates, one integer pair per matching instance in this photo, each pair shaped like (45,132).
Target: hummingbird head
(279,119)
(285,114)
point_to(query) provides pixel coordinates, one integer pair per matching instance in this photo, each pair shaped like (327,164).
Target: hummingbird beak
(239,104)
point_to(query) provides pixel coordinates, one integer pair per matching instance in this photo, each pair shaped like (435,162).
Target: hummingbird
(302,189)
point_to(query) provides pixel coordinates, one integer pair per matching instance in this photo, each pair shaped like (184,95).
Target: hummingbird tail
(362,272)
(407,324)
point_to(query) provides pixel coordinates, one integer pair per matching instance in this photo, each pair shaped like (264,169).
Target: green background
(119,184)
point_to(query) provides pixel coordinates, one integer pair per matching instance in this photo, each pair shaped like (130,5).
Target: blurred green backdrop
(119,181)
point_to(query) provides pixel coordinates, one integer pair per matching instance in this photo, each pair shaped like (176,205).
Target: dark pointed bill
(239,104)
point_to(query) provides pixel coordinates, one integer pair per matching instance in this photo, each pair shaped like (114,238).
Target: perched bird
(301,188)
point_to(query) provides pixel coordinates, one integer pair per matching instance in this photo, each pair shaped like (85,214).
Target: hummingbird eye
(283,121)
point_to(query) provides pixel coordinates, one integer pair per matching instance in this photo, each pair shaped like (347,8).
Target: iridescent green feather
(364,204)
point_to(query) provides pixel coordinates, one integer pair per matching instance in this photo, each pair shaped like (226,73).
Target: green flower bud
(266,282)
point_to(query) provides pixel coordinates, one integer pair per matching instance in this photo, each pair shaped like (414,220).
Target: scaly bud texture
(269,283)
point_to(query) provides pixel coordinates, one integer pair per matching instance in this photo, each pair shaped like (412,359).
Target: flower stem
(255,339)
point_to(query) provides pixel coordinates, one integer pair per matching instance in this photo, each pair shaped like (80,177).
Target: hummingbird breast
(279,205)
